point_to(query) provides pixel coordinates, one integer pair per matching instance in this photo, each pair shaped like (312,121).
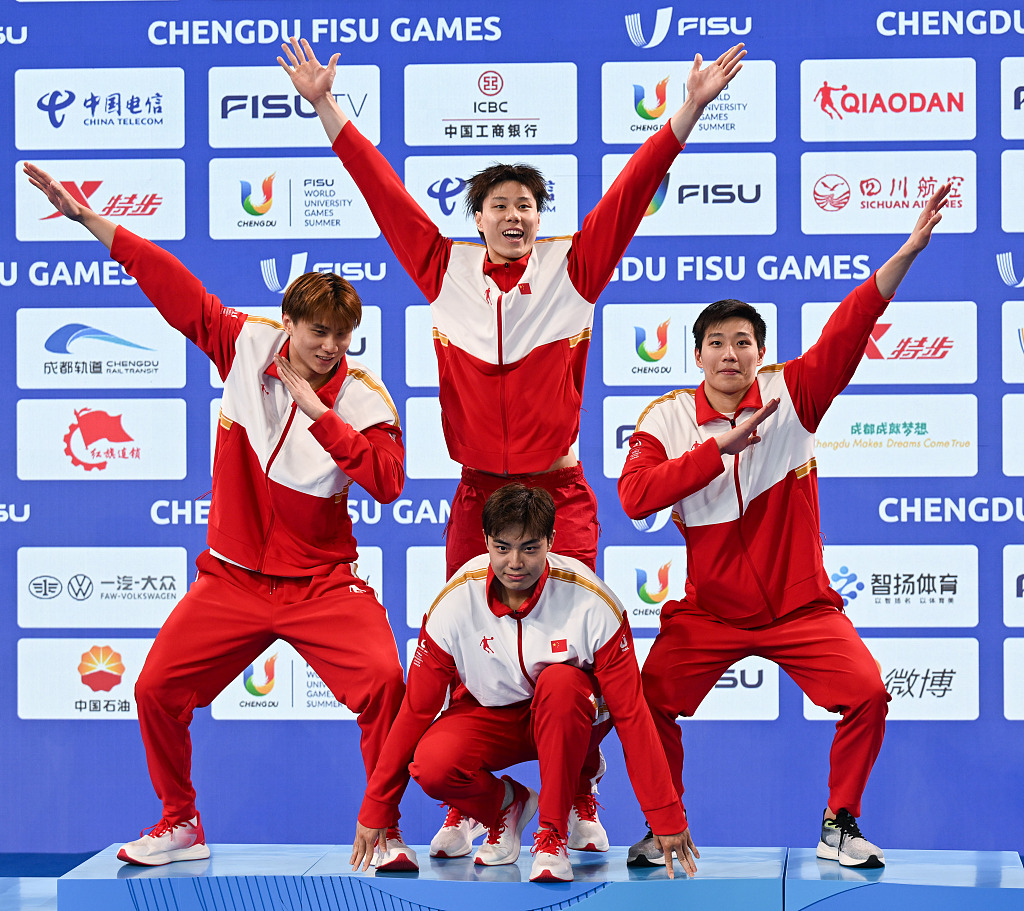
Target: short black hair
(517,506)
(480,185)
(720,311)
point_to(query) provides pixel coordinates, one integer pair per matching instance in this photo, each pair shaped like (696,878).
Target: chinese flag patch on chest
(559,645)
(524,288)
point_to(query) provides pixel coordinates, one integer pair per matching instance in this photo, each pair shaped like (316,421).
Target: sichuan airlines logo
(831,192)
(653,597)
(268,196)
(641,343)
(88,442)
(101,668)
(640,100)
(258,689)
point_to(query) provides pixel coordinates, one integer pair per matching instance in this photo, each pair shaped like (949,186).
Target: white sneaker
(503,842)
(167,842)
(550,859)
(455,837)
(842,840)
(397,856)
(585,830)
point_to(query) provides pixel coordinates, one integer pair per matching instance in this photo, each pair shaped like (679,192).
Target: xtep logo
(255,689)
(907,349)
(641,343)
(268,196)
(78,194)
(269,269)
(641,585)
(640,101)
(659,198)
(52,105)
(101,668)
(61,340)
(1004,263)
(446,191)
(635,29)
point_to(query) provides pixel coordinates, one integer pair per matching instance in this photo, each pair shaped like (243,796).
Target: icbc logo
(490,83)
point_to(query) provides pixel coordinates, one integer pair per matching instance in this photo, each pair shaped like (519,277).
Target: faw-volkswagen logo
(79,586)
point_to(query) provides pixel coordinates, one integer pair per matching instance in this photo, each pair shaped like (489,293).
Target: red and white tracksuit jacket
(514,333)
(280,480)
(469,636)
(751,521)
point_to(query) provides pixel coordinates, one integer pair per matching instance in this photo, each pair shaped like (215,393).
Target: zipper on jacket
(502,404)
(739,528)
(522,663)
(266,477)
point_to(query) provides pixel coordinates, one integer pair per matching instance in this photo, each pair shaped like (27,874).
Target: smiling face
(518,560)
(730,358)
(316,348)
(508,221)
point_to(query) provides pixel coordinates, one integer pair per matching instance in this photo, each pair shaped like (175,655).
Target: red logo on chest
(559,645)
(524,288)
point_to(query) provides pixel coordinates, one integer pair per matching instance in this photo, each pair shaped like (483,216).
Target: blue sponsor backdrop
(72,785)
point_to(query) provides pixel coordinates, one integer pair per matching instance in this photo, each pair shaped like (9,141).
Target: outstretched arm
(314,81)
(101,228)
(703,86)
(889,276)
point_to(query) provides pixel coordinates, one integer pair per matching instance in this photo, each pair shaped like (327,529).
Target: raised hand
(930,216)
(101,228)
(312,80)
(892,272)
(704,85)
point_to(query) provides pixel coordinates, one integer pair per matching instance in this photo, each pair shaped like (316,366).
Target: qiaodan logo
(254,688)
(268,196)
(641,343)
(641,585)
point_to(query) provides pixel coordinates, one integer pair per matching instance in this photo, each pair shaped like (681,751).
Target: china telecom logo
(649,597)
(254,688)
(641,343)
(101,668)
(659,198)
(640,101)
(268,196)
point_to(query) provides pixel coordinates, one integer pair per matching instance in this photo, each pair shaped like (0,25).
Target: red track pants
(817,646)
(229,616)
(456,757)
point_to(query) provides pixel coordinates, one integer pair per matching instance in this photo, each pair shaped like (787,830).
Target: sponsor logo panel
(98,348)
(102,108)
(250,107)
(425,577)
(1013,341)
(644,578)
(747,691)
(1013,455)
(708,194)
(1013,585)
(887,100)
(491,104)
(652,344)
(882,192)
(101,439)
(638,99)
(620,416)
(1012,161)
(438,184)
(429,457)
(1011,97)
(923,342)
(420,360)
(899,436)
(646,32)
(278,686)
(928,679)
(99,587)
(1013,679)
(906,585)
(285,197)
(90,679)
(278,282)
(145,195)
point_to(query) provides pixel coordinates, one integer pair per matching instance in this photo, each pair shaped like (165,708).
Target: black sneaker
(841,840)
(645,853)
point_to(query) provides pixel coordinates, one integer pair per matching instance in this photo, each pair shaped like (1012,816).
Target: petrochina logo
(268,196)
(659,197)
(640,101)
(101,668)
(635,29)
(62,339)
(641,343)
(649,597)
(91,427)
(254,688)
(1004,263)
(831,192)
